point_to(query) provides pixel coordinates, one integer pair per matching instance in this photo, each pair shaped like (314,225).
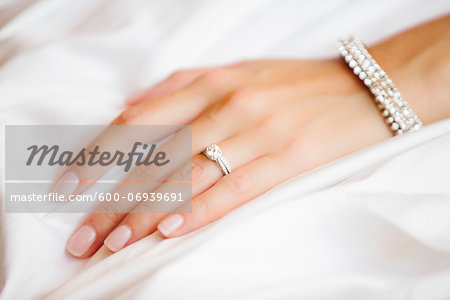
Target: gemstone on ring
(214,153)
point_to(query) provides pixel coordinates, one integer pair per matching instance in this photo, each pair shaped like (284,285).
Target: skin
(302,114)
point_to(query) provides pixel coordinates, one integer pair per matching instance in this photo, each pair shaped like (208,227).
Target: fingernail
(118,238)
(81,240)
(67,184)
(170,224)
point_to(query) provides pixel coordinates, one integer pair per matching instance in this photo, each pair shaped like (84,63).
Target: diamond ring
(214,153)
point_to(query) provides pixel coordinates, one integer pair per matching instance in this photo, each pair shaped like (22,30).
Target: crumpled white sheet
(374,225)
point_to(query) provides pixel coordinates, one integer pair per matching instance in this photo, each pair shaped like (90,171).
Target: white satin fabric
(374,225)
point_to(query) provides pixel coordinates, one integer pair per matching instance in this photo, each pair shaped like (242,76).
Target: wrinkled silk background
(374,225)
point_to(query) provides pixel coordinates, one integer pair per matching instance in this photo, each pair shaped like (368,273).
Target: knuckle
(198,169)
(106,216)
(184,172)
(241,64)
(128,115)
(201,208)
(238,183)
(211,119)
(150,173)
(213,116)
(271,124)
(296,145)
(111,217)
(215,77)
(241,101)
(177,75)
(300,151)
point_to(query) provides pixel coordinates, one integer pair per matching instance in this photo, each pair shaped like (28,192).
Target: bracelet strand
(396,111)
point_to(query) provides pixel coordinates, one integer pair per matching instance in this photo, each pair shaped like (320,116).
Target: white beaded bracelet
(396,111)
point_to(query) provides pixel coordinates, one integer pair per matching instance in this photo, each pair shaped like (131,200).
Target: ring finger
(205,173)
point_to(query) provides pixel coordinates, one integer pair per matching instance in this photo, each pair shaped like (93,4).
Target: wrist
(419,68)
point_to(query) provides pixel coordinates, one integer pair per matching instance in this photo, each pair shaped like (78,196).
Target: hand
(273,119)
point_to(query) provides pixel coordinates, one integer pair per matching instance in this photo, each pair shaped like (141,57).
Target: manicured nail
(170,224)
(81,240)
(67,184)
(118,238)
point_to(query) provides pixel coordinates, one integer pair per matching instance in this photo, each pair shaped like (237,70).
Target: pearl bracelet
(399,117)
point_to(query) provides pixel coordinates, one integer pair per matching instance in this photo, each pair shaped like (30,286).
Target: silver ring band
(214,153)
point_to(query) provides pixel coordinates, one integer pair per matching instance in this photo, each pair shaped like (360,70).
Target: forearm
(418,61)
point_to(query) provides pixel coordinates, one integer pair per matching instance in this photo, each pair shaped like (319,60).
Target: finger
(303,152)
(180,107)
(206,130)
(90,238)
(238,150)
(205,173)
(174,82)
(93,230)
(227,194)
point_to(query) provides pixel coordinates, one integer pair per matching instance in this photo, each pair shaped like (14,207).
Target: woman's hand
(273,120)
